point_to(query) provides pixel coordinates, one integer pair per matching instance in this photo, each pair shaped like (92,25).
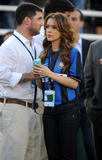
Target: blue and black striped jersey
(64,94)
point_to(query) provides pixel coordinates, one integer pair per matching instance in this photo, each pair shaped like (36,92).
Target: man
(7,35)
(19,124)
(93,90)
(77,21)
(64,6)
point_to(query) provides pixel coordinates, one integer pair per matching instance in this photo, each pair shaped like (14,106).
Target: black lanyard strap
(27,48)
(52,60)
(35,105)
(51,64)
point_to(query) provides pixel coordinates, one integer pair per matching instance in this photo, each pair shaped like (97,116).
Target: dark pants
(87,133)
(60,131)
(80,146)
(97,129)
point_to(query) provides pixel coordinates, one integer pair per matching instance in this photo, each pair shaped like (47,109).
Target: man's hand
(28,76)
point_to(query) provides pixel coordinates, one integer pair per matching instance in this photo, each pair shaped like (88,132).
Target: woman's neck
(56,45)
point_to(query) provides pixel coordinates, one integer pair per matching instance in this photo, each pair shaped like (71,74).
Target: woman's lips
(49,36)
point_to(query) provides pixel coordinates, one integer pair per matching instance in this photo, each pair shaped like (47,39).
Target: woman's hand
(41,70)
(45,71)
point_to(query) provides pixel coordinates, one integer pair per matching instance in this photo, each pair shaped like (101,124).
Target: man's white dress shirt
(78,46)
(14,61)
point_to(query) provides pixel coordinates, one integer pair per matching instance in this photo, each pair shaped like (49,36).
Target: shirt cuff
(15,78)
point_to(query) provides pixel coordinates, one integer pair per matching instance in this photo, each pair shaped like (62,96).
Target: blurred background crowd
(92,25)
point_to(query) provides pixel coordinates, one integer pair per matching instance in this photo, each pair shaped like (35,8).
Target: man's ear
(81,24)
(27,20)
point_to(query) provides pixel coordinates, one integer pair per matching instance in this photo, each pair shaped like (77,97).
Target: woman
(60,77)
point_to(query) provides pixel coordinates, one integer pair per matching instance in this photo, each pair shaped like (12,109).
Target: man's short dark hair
(25,9)
(58,6)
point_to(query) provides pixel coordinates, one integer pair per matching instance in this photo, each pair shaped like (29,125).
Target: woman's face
(52,34)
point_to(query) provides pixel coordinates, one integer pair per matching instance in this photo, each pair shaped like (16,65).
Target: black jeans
(61,125)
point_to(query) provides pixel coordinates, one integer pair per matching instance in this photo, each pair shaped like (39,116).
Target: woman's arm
(45,71)
(66,81)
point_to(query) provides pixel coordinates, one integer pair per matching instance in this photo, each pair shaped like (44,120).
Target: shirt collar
(20,36)
(79,42)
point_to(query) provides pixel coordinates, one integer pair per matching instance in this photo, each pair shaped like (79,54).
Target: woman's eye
(47,26)
(54,27)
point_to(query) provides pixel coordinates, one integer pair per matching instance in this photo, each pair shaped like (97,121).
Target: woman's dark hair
(25,9)
(67,38)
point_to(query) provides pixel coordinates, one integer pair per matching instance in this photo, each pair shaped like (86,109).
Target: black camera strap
(26,48)
(35,104)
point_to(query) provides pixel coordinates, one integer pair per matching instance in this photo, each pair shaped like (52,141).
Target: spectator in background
(77,21)
(64,6)
(80,4)
(98,25)
(7,35)
(93,90)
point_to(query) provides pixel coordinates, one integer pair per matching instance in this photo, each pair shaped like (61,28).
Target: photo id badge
(49,98)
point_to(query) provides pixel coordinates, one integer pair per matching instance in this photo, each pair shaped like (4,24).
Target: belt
(16,101)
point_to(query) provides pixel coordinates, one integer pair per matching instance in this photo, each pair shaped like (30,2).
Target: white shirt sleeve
(8,76)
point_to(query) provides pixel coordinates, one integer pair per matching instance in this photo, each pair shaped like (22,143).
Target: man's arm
(27,77)
(9,76)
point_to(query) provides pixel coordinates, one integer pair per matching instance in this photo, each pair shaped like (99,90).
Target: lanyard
(27,48)
(51,61)
(51,65)
(35,105)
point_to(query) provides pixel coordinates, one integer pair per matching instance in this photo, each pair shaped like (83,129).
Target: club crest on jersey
(61,65)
